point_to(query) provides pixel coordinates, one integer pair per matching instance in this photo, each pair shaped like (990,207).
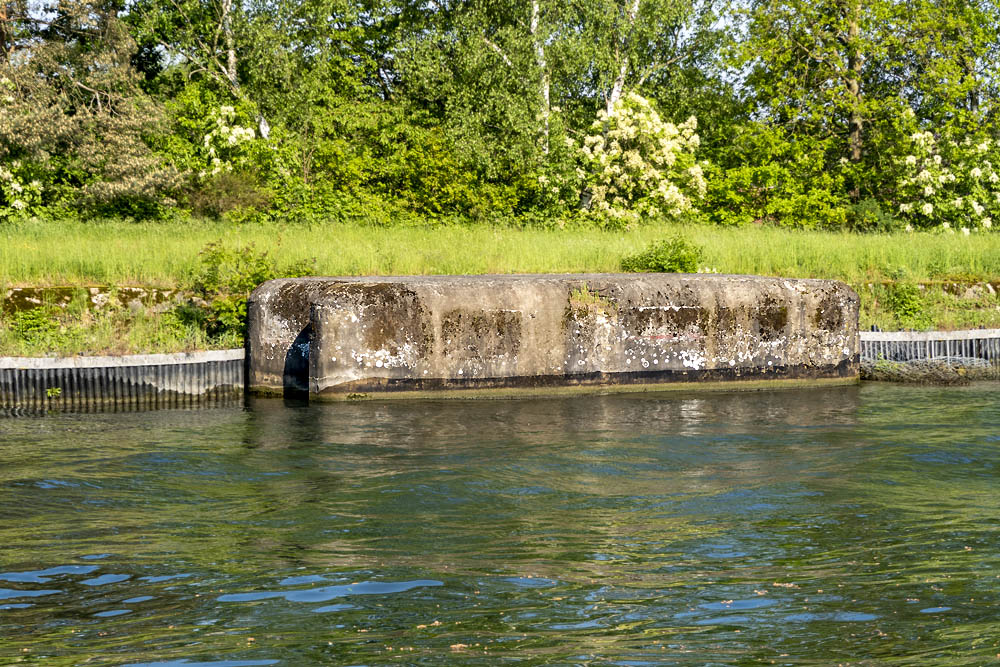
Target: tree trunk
(972,98)
(855,61)
(227,35)
(10,14)
(543,74)
(619,85)
(6,33)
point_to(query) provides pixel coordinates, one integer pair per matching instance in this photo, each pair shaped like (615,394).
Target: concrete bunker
(350,337)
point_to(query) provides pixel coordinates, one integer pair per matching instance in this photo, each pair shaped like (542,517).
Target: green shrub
(35,325)
(765,175)
(869,216)
(225,193)
(42,327)
(223,284)
(904,300)
(673,255)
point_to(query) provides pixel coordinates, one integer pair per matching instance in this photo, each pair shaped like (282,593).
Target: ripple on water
(13,593)
(324,593)
(42,576)
(750,603)
(837,616)
(330,608)
(214,663)
(137,600)
(106,579)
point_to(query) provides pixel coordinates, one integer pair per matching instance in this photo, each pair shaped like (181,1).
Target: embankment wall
(129,382)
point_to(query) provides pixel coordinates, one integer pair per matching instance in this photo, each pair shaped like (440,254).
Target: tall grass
(42,253)
(46,253)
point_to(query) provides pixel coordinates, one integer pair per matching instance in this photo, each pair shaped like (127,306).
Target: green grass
(115,329)
(162,254)
(166,255)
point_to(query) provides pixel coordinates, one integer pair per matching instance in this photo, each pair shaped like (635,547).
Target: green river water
(851,525)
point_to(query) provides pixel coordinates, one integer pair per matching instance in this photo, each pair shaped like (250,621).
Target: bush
(36,325)
(950,183)
(765,175)
(638,165)
(869,216)
(904,300)
(225,193)
(673,255)
(223,285)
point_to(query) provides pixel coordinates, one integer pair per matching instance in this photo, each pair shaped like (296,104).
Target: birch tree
(201,34)
(632,43)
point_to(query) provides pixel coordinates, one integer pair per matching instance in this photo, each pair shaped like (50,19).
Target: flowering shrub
(638,165)
(950,185)
(221,142)
(21,197)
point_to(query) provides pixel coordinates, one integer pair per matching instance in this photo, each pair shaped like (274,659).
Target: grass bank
(905,280)
(74,253)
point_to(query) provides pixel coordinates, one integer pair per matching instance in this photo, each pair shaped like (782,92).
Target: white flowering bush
(21,196)
(222,142)
(637,165)
(950,185)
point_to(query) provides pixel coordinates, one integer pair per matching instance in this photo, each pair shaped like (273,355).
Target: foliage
(638,166)
(868,215)
(223,284)
(36,326)
(822,113)
(949,183)
(766,175)
(73,120)
(22,198)
(80,328)
(673,255)
(904,300)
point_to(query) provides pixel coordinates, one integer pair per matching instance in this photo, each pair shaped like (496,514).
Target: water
(843,525)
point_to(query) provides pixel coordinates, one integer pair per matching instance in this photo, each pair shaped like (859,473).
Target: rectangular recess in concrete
(349,337)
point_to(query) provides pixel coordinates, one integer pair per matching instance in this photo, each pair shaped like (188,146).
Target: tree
(75,119)
(847,74)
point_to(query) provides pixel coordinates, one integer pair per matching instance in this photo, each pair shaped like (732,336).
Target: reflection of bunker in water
(578,450)
(355,337)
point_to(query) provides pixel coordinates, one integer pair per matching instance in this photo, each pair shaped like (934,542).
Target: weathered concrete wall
(341,336)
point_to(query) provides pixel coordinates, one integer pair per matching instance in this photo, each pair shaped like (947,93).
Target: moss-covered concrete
(339,337)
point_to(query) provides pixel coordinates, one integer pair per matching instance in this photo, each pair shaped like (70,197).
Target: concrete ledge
(123,360)
(335,337)
(908,336)
(435,391)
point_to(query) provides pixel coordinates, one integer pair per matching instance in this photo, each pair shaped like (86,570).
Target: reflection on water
(848,524)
